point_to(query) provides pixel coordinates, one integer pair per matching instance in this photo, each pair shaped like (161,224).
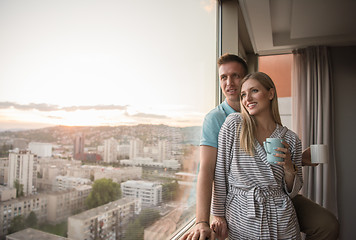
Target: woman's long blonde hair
(248,126)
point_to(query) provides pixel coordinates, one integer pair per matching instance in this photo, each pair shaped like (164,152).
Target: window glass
(279,68)
(104,98)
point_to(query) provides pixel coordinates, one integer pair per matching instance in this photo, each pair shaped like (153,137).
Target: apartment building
(66,203)
(50,168)
(65,182)
(33,234)
(110,150)
(123,150)
(43,164)
(40,149)
(150,193)
(78,146)
(22,206)
(81,171)
(103,222)
(149,162)
(53,207)
(22,168)
(7,193)
(163,150)
(46,181)
(119,175)
(136,148)
(4,170)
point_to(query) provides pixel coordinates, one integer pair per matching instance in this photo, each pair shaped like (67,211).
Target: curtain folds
(312,109)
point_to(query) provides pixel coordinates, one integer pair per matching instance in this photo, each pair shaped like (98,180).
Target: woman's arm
(292,166)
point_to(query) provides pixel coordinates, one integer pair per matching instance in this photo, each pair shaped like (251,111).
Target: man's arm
(208,156)
(202,230)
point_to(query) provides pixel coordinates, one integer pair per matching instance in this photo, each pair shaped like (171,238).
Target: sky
(91,62)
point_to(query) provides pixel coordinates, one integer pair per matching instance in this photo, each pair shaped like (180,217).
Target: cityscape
(123,182)
(100,103)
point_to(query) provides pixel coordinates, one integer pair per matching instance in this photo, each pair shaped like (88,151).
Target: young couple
(252,199)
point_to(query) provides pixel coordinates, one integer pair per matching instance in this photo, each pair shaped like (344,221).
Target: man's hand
(219,226)
(306,158)
(200,231)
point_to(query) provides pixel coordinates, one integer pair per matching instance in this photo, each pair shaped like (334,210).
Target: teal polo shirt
(212,124)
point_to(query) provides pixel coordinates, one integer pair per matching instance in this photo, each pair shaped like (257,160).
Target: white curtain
(312,109)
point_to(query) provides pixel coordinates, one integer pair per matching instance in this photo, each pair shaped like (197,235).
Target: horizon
(91,126)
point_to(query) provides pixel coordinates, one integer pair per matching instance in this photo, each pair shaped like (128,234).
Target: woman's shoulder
(234,117)
(291,136)
(232,121)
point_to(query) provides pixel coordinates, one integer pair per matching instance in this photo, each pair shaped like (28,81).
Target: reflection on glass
(101,104)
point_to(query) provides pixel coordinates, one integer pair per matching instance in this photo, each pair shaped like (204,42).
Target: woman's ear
(272,91)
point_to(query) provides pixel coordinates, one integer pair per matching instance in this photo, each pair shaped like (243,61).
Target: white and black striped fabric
(250,192)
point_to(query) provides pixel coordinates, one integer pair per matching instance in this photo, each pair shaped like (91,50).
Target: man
(315,221)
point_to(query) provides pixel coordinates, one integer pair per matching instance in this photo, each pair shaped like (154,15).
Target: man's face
(230,75)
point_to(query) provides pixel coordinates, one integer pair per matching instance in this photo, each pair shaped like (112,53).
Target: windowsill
(179,233)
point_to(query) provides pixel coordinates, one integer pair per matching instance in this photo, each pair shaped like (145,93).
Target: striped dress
(251,193)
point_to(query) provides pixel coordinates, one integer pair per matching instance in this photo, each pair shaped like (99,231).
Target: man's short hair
(228,57)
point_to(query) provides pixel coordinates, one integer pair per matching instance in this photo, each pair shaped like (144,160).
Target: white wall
(285,110)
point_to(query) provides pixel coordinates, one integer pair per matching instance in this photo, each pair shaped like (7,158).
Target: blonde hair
(248,125)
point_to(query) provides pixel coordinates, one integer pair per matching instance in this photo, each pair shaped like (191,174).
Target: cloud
(43,107)
(96,107)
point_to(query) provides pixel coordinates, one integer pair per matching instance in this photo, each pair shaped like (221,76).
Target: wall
(344,74)
(279,68)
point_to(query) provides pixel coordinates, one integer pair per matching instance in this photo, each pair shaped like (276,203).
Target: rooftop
(33,234)
(102,209)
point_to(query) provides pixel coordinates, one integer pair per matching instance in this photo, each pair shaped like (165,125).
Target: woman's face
(255,98)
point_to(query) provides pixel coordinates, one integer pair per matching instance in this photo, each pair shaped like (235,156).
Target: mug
(269,145)
(319,153)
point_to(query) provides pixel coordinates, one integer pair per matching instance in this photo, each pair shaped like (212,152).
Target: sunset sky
(91,62)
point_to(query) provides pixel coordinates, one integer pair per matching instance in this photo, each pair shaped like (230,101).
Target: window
(278,67)
(118,90)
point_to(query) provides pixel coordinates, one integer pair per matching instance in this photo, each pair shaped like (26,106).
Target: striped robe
(251,193)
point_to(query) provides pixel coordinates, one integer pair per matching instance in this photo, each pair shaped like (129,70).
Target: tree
(17,224)
(104,191)
(19,188)
(148,216)
(170,191)
(92,177)
(4,150)
(134,231)
(31,220)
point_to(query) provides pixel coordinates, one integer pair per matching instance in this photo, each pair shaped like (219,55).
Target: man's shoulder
(216,112)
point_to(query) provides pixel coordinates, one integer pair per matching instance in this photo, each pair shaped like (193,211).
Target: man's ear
(272,91)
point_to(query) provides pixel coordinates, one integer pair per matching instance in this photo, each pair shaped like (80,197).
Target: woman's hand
(219,226)
(201,231)
(287,163)
(288,166)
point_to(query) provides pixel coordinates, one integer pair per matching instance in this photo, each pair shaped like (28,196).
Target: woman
(251,195)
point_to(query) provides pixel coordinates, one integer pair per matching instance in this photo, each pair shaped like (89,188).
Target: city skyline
(106,63)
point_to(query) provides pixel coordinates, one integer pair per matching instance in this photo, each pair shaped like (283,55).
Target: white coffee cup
(319,153)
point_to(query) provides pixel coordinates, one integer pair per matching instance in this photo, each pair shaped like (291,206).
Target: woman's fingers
(199,234)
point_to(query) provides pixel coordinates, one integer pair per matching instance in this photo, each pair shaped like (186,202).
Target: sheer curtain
(312,107)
